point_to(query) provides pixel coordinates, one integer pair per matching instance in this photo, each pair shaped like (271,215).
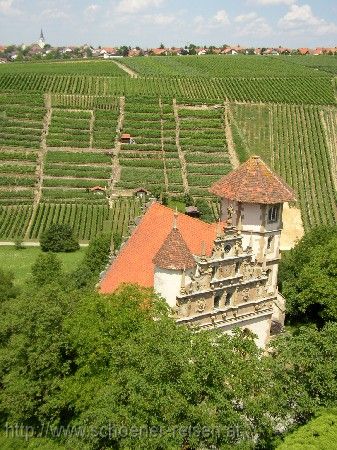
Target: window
(237,267)
(228,298)
(228,248)
(270,242)
(273,213)
(217,298)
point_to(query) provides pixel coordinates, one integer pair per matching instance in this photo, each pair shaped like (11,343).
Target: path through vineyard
(162,142)
(234,160)
(116,168)
(40,161)
(126,69)
(180,150)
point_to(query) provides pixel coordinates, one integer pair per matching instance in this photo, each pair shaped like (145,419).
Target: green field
(61,122)
(21,261)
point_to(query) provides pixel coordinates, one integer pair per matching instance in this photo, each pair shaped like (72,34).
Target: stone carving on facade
(205,277)
(238,248)
(201,305)
(245,294)
(247,270)
(230,212)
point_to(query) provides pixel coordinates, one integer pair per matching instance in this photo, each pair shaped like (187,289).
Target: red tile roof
(134,263)
(253,182)
(174,253)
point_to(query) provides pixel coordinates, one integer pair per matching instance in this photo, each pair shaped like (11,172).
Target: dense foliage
(308,277)
(85,371)
(7,287)
(59,238)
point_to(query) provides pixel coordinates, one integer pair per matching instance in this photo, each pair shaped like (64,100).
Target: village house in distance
(220,275)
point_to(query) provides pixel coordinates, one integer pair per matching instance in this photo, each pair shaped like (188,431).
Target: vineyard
(307,89)
(294,141)
(62,159)
(87,219)
(210,66)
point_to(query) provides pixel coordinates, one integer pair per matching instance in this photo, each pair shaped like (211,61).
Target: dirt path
(162,144)
(126,69)
(180,150)
(292,227)
(116,168)
(229,137)
(40,161)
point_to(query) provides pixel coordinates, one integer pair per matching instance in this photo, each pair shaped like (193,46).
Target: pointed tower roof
(253,182)
(174,253)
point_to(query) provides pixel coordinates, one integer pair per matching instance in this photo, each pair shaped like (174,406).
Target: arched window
(228,298)
(270,243)
(273,213)
(217,299)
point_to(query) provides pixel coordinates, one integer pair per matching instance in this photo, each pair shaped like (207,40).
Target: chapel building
(220,275)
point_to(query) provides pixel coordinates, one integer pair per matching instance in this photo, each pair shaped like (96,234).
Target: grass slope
(21,261)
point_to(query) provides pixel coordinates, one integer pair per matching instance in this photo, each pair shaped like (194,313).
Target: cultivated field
(191,119)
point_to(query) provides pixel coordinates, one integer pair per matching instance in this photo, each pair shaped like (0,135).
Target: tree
(308,277)
(97,255)
(47,269)
(81,359)
(59,238)
(304,363)
(123,50)
(7,288)
(205,210)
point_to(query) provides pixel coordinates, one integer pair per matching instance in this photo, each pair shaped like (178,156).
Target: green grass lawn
(21,261)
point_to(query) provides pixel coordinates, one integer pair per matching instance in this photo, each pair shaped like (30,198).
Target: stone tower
(252,199)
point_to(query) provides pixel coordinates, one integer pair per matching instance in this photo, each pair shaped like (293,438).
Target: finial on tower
(239,227)
(183,282)
(175,220)
(203,251)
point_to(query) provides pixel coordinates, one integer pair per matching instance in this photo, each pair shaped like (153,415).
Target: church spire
(41,43)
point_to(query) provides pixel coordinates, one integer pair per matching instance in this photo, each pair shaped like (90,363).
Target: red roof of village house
(174,253)
(253,182)
(134,263)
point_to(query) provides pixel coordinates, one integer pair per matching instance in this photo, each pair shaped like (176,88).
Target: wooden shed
(126,138)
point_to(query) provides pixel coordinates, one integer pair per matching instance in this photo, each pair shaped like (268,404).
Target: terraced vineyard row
(87,219)
(297,90)
(80,143)
(203,143)
(152,160)
(21,125)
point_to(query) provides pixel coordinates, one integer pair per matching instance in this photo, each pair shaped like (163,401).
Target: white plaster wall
(167,283)
(260,326)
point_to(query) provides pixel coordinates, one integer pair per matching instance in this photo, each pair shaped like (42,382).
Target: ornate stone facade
(227,288)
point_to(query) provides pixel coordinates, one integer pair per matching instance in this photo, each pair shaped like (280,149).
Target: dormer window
(227,248)
(273,213)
